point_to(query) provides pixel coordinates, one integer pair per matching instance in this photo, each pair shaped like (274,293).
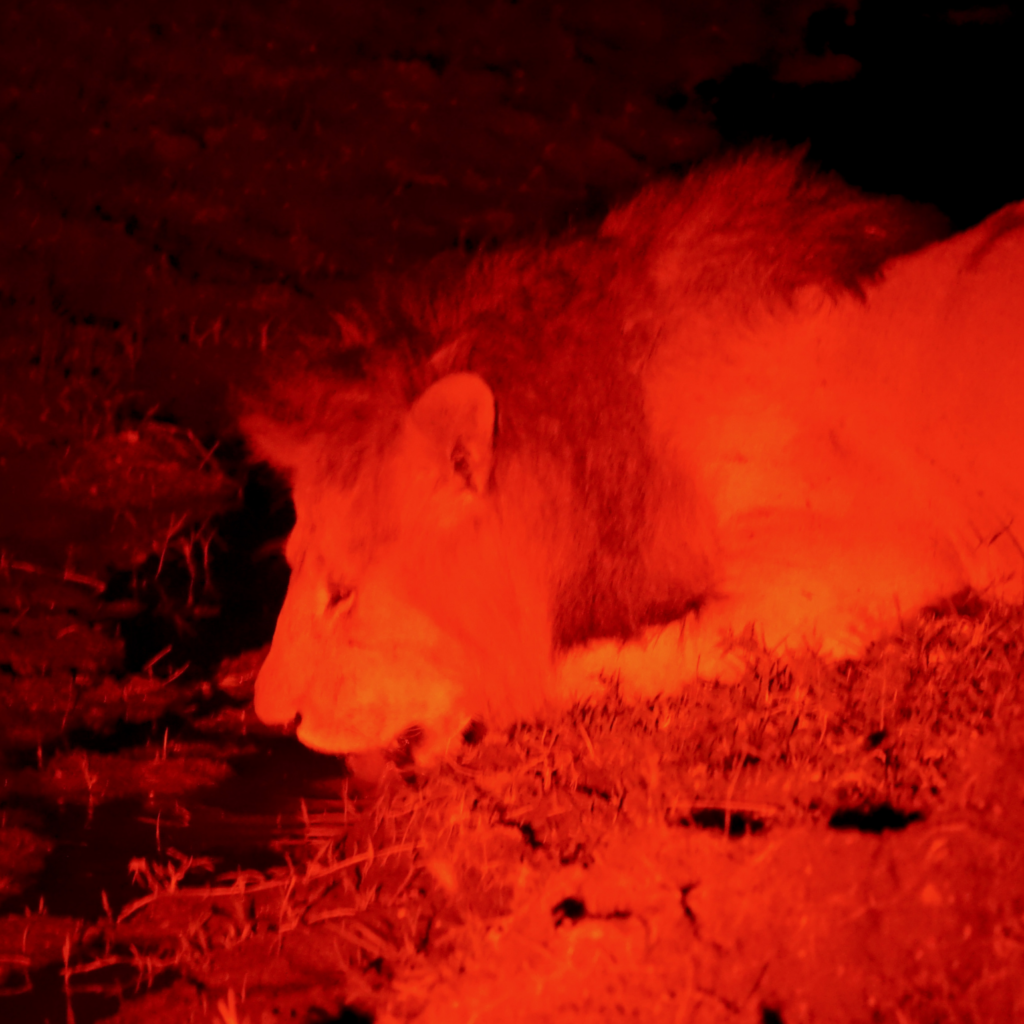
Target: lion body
(752,402)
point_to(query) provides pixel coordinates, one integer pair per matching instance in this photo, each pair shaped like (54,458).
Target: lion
(754,403)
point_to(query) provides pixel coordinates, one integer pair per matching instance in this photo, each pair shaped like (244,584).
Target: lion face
(407,608)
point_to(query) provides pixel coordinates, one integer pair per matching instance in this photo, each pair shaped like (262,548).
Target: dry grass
(393,896)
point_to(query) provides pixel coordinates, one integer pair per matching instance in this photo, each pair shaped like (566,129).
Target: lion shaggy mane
(562,331)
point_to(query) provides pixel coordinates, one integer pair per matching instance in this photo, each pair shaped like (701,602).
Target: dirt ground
(190,191)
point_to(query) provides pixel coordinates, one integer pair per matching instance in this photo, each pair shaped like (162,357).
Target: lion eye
(340,599)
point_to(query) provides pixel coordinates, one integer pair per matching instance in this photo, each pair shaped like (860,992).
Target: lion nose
(274,701)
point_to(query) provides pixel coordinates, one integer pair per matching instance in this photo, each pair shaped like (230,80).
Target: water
(235,823)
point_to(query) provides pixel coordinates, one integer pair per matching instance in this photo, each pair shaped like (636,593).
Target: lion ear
(457,416)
